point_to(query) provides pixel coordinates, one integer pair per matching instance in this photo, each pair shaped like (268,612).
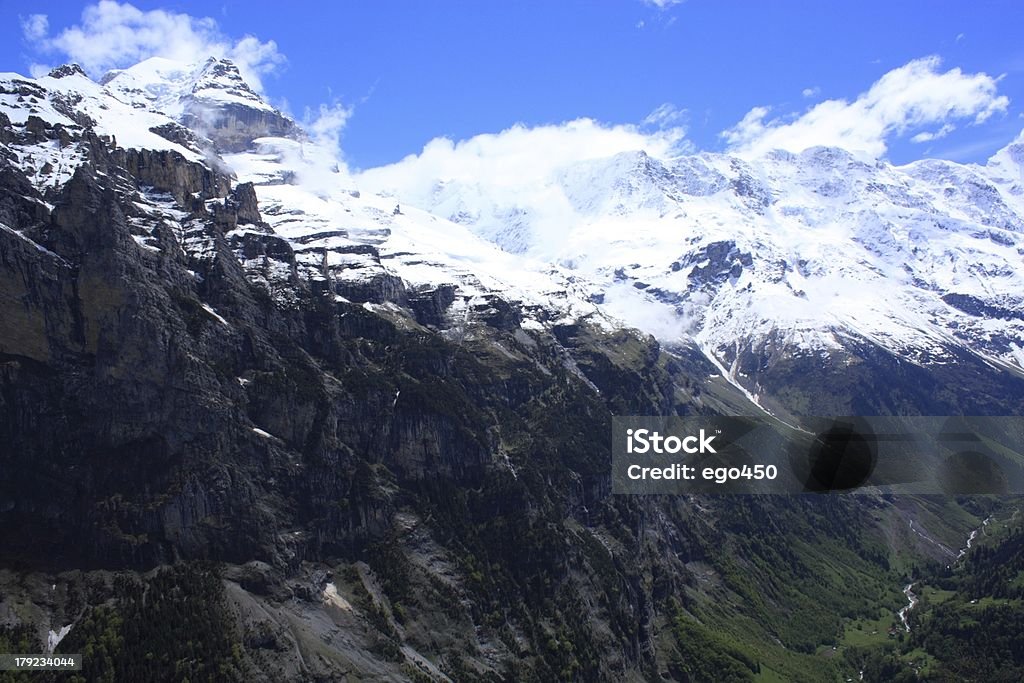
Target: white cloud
(113,35)
(520,155)
(316,161)
(665,116)
(514,172)
(662,4)
(811,92)
(928,136)
(908,97)
(35,26)
(325,127)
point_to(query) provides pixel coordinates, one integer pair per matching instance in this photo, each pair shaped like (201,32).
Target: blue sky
(406,72)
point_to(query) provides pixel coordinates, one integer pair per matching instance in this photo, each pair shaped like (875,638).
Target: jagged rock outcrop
(430,304)
(169,172)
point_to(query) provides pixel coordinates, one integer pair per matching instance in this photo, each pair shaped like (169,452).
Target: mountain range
(383,412)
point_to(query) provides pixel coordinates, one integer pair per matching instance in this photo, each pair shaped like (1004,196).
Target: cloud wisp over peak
(113,35)
(914,96)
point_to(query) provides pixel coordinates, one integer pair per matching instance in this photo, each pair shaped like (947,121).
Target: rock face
(165,171)
(233,127)
(155,406)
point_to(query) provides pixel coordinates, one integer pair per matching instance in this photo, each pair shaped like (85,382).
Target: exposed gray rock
(170,172)
(67,70)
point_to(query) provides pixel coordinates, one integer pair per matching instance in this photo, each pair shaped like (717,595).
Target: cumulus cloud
(513,178)
(114,35)
(811,92)
(520,155)
(911,96)
(317,160)
(326,124)
(35,26)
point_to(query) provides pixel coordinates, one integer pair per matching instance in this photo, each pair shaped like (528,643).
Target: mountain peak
(210,95)
(66,70)
(221,65)
(1011,156)
(164,82)
(223,76)
(224,71)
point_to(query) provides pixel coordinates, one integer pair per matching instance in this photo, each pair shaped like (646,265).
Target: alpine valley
(265,419)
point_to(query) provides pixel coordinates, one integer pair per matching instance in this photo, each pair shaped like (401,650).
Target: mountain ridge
(793,254)
(358,439)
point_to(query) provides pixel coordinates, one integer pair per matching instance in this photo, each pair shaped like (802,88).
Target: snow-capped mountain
(790,255)
(809,257)
(362,247)
(385,417)
(68,102)
(210,98)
